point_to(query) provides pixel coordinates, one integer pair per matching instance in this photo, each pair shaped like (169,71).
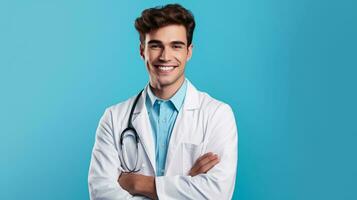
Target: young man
(186,140)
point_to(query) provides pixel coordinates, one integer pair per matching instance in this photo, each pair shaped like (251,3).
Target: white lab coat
(203,125)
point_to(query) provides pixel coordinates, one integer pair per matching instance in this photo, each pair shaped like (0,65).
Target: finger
(200,163)
(204,156)
(208,166)
(205,168)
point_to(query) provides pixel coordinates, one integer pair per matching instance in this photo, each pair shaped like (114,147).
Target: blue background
(287,68)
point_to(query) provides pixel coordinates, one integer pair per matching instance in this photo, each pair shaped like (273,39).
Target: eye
(177,46)
(155,46)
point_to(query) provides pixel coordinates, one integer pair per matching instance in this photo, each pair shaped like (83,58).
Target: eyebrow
(178,42)
(159,42)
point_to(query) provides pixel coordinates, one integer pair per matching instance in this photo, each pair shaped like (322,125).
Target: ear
(189,52)
(141,49)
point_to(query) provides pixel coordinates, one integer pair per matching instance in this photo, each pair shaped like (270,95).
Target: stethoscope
(130,133)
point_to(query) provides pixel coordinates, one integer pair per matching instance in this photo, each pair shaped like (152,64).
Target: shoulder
(218,117)
(211,105)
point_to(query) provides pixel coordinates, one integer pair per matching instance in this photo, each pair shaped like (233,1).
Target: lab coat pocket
(190,153)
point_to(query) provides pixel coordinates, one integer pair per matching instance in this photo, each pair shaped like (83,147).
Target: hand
(137,184)
(204,163)
(128,182)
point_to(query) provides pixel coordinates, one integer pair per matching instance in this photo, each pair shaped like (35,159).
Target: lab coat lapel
(143,128)
(183,122)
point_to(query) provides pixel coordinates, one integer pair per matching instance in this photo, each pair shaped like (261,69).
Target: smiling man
(165,52)
(171,141)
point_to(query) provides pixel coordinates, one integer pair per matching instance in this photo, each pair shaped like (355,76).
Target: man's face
(165,53)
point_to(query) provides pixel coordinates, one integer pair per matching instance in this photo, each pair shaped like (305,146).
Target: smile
(165,68)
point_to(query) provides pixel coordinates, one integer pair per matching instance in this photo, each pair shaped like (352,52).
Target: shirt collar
(177,100)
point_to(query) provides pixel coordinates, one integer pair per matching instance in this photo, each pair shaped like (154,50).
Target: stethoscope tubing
(130,127)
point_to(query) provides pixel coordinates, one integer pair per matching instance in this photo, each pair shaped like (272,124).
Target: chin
(165,81)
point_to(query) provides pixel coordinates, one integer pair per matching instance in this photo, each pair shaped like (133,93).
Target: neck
(166,91)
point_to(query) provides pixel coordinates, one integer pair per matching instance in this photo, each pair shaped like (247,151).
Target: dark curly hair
(160,16)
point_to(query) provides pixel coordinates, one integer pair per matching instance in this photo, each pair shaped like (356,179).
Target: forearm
(203,186)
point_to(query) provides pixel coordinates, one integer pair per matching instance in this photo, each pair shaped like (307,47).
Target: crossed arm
(203,181)
(137,184)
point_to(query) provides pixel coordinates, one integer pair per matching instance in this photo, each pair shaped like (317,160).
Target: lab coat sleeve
(217,183)
(104,167)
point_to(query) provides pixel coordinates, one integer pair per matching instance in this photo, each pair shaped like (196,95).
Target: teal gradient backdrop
(287,68)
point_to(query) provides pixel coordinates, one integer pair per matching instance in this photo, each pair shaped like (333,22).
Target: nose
(165,54)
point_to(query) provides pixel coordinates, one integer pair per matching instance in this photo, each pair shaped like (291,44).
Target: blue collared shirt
(162,114)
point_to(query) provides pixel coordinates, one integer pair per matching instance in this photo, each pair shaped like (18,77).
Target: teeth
(165,68)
